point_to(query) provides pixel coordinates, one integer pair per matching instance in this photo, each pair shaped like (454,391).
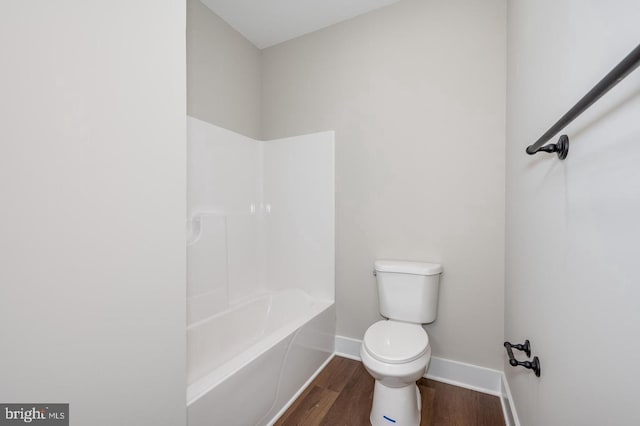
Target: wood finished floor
(341,395)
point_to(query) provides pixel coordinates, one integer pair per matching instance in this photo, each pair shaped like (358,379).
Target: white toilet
(396,351)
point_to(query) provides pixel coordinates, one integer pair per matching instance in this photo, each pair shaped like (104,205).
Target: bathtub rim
(206,383)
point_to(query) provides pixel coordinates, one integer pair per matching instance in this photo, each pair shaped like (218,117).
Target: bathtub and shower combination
(261,272)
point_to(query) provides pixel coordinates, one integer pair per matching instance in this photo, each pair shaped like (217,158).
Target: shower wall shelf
(615,76)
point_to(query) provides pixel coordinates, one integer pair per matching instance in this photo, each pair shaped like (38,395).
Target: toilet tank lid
(407,267)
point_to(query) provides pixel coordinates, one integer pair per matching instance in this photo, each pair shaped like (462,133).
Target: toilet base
(395,406)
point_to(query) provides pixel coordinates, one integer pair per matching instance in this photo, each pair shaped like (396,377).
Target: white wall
(572,226)
(92,182)
(415,93)
(223,73)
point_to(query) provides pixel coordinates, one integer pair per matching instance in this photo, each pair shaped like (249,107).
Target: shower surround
(261,315)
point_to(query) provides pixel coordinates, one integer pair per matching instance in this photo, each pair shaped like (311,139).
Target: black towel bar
(615,76)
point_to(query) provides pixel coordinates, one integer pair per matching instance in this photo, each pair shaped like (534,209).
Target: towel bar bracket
(561,148)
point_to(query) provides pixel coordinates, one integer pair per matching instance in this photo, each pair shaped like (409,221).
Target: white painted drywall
(415,93)
(93,190)
(269,22)
(572,226)
(223,73)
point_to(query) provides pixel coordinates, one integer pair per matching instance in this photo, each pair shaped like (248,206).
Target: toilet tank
(408,291)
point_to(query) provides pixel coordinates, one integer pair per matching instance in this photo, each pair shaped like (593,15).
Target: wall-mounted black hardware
(561,147)
(617,74)
(526,347)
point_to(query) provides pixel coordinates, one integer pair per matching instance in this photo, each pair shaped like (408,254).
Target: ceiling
(269,22)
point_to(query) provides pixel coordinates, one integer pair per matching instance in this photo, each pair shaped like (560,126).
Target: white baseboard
(464,375)
(508,407)
(456,373)
(347,347)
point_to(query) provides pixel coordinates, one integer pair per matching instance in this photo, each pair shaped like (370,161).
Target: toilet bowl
(396,354)
(396,351)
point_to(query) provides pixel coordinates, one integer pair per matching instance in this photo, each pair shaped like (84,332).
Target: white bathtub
(246,363)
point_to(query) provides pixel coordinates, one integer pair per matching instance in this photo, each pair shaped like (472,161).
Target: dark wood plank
(342,394)
(312,408)
(489,410)
(428,395)
(299,401)
(450,407)
(453,406)
(336,374)
(353,405)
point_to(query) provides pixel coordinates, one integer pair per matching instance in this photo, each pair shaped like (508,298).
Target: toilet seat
(395,342)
